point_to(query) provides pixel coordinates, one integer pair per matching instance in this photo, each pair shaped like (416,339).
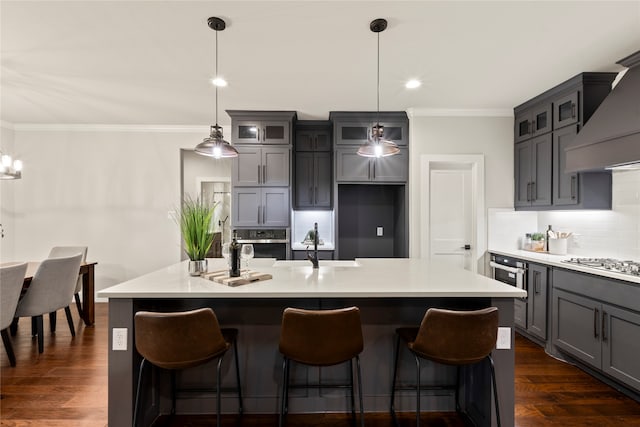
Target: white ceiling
(149,62)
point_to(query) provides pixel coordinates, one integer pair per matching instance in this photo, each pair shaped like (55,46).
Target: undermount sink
(322,263)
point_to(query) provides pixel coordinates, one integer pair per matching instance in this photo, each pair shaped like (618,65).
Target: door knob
(466,247)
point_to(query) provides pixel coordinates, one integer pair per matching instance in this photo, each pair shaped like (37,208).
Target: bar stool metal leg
(392,408)
(417,390)
(285,391)
(458,388)
(218,397)
(495,389)
(353,395)
(173,392)
(235,351)
(137,401)
(360,391)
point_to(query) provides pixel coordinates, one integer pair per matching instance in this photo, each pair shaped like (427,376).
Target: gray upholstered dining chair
(51,289)
(11,280)
(64,251)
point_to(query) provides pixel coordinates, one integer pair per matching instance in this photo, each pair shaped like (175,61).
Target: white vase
(196,268)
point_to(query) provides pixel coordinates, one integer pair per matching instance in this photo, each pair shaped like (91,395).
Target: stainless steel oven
(267,243)
(509,270)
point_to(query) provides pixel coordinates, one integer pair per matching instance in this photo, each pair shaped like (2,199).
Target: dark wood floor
(67,386)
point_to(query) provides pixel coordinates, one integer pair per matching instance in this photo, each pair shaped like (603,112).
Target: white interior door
(451,215)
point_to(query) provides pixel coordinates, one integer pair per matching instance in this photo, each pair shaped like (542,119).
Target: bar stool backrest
(321,337)
(457,337)
(179,340)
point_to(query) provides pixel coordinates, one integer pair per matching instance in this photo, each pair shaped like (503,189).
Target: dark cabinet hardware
(595,322)
(573,186)
(604,327)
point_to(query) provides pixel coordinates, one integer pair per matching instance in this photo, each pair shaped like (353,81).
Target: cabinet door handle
(374,169)
(264,174)
(259,207)
(536,282)
(534,193)
(259,174)
(573,110)
(573,186)
(595,322)
(528,191)
(604,327)
(264,214)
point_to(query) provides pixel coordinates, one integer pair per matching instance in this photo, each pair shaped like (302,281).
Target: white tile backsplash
(614,233)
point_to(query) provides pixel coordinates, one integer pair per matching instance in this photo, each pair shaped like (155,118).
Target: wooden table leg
(88,296)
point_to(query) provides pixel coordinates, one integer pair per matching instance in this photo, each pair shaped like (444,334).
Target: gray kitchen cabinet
(562,110)
(261,166)
(533,162)
(565,110)
(596,322)
(520,313)
(261,127)
(313,183)
(588,190)
(537,300)
(313,139)
(354,128)
(577,327)
(533,121)
(260,207)
(350,167)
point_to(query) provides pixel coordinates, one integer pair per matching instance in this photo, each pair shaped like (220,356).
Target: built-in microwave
(269,243)
(509,270)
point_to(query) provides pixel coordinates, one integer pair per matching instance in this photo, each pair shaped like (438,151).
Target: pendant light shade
(215,146)
(377,145)
(9,168)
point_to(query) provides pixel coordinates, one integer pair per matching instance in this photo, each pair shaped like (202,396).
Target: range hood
(611,137)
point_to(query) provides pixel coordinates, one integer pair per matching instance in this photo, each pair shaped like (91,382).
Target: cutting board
(222,276)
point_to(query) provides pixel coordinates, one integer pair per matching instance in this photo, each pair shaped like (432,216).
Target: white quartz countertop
(556,261)
(362,278)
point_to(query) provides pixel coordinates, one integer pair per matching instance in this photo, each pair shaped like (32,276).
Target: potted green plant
(195,223)
(537,242)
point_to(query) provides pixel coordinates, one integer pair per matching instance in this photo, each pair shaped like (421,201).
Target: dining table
(87,270)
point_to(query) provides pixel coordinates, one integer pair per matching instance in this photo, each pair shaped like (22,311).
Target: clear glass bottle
(527,242)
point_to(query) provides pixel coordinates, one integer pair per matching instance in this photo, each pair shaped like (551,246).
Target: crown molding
(7,125)
(53,127)
(460,112)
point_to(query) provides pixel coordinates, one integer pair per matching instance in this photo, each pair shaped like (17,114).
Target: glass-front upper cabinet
(261,127)
(532,122)
(260,132)
(566,110)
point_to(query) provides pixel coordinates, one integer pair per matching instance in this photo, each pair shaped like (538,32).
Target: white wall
(614,233)
(490,136)
(110,190)
(7,191)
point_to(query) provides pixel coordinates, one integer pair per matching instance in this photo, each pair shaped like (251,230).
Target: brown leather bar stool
(321,338)
(181,340)
(449,337)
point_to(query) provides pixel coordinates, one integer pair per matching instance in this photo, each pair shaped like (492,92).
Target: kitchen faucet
(314,258)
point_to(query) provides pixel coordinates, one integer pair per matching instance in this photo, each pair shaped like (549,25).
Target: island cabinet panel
(595,320)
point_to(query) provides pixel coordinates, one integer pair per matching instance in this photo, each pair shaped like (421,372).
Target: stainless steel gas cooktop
(631,268)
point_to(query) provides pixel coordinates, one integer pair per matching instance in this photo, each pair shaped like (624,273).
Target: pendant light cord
(215,84)
(378,87)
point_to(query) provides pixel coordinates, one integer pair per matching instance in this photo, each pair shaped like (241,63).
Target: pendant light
(9,168)
(377,145)
(215,146)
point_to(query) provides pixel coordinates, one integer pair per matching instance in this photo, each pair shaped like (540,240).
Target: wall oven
(509,270)
(267,243)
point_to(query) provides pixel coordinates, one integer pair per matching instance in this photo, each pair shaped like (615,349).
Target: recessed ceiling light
(412,84)
(219,81)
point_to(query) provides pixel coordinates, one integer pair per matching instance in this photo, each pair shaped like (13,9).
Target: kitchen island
(389,292)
